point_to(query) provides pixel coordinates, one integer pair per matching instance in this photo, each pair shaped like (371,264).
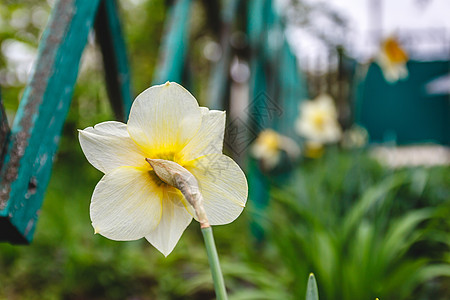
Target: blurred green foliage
(364,231)
(339,218)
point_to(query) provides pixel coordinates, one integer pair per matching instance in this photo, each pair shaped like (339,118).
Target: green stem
(219,283)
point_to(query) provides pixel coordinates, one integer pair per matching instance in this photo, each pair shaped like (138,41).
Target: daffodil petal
(126,204)
(223,186)
(209,139)
(112,128)
(328,131)
(164,118)
(174,221)
(108,146)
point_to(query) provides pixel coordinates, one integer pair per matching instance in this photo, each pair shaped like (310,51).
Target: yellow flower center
(165,155)
(269,139)
(319,120)
(155,179)
(314,150)
(394,52)
(169,155)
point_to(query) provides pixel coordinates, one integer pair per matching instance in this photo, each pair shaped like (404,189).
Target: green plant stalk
(213,258)
(180,178)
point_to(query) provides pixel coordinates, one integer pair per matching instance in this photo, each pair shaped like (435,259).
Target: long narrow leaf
(311,291)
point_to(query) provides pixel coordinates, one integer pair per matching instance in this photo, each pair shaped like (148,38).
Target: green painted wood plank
(292,90)
(259,197)
(258,183)
(40,117)
(263,106)
(271,48)
(255,23)
(276,76)
(172,53)
(410,116)
(115,60)
(4,131)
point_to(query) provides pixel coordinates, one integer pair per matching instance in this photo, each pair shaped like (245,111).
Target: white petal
(330,132)
(391,73)
(290,146)
(258,150)
(223,186)
(269,157)
(326,105)
(164,118)
(403,71)
(209,139)
(126,204)
(112,128)
(108,146)
(175,218)
(272,160)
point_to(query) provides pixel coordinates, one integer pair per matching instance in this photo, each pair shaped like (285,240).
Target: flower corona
(392,60)
(318,121)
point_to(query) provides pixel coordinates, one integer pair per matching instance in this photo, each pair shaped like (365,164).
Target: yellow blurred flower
(130,201)
(313,149)
(392,60)
(268,146)
(318,121)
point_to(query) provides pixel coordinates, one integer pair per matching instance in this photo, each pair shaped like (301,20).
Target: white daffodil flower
(392,60)
(318,121)
(166,129)
(355,137)
(268,146)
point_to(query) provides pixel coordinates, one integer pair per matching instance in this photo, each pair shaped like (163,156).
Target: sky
(422,25)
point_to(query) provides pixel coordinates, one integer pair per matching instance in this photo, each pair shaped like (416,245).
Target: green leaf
(311,290)
(368,199)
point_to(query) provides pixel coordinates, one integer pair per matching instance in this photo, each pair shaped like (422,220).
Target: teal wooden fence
(28,147)
(404,112)
(32,141)
(276,89)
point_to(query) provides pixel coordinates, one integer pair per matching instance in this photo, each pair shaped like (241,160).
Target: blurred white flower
(268,146)
(355,137)
(318,121)
(19,60)
(392,60)
(166,124)
(428,155)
